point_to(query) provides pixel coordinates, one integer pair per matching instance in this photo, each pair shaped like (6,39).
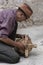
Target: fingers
(23,36)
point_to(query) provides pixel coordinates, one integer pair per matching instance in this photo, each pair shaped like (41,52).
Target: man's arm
(8,41)
(5,30)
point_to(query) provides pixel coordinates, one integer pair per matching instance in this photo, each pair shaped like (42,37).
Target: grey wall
(36,5)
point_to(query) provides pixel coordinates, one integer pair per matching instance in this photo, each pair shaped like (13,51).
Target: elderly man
(8,27)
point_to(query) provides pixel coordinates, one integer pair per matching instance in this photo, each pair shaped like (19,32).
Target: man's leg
(8,54)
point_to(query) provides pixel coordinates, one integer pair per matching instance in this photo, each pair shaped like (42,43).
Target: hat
(26,9)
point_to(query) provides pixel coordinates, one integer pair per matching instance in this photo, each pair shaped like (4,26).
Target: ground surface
(36,55)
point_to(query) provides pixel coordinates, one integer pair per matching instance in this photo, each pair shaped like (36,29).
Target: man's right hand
(21,47)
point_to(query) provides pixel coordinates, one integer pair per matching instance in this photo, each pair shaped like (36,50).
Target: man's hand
(21,47)
(21,43)
(23,36)
(20,36)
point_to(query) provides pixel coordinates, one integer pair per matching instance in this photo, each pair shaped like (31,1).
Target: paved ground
(36,55)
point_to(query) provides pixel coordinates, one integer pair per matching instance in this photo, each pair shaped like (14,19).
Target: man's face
(20,16)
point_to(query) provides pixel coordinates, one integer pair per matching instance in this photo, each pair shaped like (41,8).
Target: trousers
(8,54)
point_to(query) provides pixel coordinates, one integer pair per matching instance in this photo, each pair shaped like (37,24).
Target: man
(8,27)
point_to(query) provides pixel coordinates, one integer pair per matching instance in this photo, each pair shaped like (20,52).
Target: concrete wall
(36,5)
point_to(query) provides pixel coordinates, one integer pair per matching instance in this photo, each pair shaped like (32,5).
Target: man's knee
(8,54)
(15,59)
